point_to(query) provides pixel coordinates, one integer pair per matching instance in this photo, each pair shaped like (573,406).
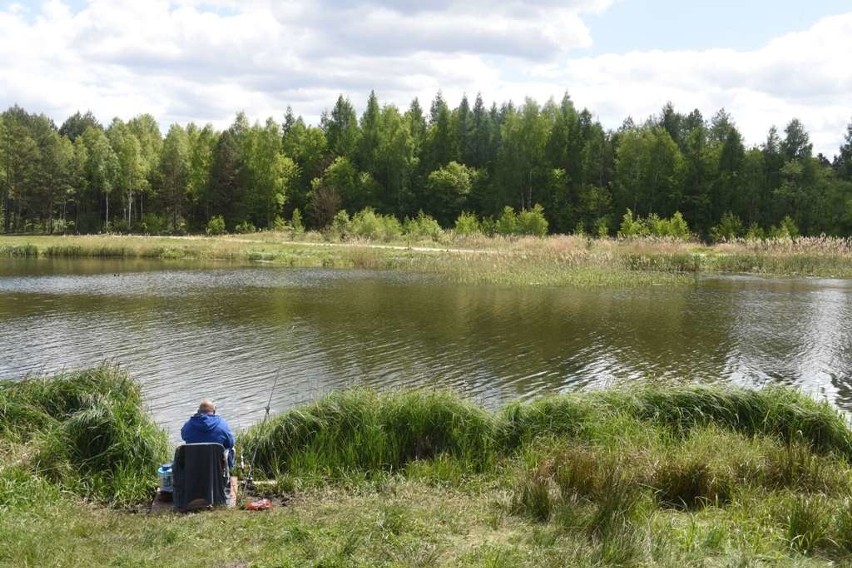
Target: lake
(187,332)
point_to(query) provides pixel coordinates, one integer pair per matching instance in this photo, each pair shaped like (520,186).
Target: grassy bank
(83,432)
(662,476)
(556,260)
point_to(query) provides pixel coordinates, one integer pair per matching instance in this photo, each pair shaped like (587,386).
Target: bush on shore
(87,431)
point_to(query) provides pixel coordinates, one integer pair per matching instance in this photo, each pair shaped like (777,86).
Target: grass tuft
(86,431)
(360,429)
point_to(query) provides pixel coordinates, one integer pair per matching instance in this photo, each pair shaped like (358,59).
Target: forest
(442,162)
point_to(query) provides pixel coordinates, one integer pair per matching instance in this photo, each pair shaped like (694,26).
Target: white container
(165,475)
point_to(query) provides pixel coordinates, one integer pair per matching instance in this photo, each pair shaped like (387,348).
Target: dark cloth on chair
(200,476)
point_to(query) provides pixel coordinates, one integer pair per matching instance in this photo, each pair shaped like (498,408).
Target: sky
(765,62)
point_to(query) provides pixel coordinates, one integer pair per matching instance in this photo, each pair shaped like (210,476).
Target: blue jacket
(201,428)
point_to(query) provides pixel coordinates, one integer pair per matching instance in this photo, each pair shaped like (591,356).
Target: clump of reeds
(782,413)
(87,431)
(362,428)
(24,250)
(366,430)
(597,465)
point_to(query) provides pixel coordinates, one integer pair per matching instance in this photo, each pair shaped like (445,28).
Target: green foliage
(653,475)
(807,522)
(296,221)
(279,224)
(244,227)
(422,227)
(675,227)
(532,222)
(360,429)
(729,228)
(216,225)
(602,227)
(787,229)
(156,224)
(447,189)
(87,431)
(460,159)
(755,233)
(467,224)
(367,224)
(339,226)
(507,224)
(655,226)
(527,222)
(631,227)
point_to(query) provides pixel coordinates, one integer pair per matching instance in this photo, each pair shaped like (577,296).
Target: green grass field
(652,476)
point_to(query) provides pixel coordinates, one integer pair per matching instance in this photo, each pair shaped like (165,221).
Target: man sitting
(206,426)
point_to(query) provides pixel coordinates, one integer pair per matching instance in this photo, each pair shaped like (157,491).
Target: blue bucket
(165,475)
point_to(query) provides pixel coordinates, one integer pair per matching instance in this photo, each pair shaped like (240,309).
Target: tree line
(442,162)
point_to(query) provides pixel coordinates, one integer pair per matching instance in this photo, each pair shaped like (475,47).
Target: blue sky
(703,24)
(204,60)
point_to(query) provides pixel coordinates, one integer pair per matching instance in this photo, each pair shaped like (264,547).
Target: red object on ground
(259,505)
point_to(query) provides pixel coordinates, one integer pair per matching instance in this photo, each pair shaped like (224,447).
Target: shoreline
(551,261)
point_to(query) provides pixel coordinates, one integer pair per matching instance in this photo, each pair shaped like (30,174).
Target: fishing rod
(249,483)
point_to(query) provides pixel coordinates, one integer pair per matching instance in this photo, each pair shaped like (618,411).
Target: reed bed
(558,260)
(86,431)
(365,429)
(758,472)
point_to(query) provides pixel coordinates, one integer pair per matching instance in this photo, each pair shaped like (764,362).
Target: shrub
(216,225)
(755,233)
(507,224)
(631,227)
(730,227)
(532,222)
(677,227)
(368,224)
(602,227)
(655,226)
(245,226)
(296,221)
(787,229)
(157,224)
(467,224)
(279,224)
(422,226)
(340,225)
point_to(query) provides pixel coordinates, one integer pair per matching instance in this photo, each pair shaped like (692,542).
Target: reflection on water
(224,333)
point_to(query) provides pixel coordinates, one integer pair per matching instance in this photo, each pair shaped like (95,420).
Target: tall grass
(557,260)
(361,429)
(595,465)
(86,430)
(364,429)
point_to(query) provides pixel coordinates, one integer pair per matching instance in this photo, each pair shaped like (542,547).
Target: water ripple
(227,333)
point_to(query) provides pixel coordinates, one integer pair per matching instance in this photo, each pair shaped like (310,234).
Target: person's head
(207,407)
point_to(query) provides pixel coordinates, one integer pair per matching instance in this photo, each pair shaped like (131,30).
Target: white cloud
(800,75)
(204,60)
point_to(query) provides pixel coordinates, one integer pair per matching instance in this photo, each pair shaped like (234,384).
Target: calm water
(188,333)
